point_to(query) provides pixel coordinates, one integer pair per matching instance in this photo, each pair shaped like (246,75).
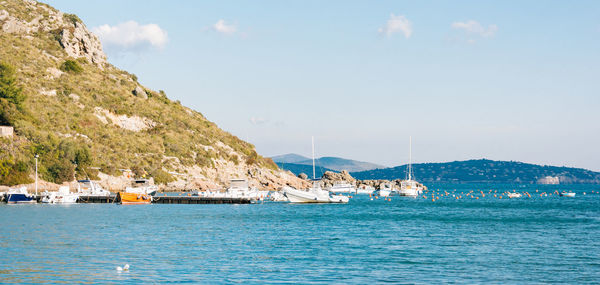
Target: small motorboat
(19,195)
(514,195)
(63,196)
(127,198)
(566,194)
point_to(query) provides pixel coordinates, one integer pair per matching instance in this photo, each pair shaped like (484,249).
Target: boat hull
(569,194)
(299,196)
(125,198)
(20,199)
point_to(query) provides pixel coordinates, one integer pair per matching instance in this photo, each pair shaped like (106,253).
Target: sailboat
(315,194)
(410,187)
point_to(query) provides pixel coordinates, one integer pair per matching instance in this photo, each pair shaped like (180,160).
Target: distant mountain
(289,158)
(334,163)
(484,171)
(304,168)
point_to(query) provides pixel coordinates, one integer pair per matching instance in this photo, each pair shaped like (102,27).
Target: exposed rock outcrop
(139,92)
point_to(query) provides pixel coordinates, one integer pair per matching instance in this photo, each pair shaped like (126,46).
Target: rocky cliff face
(92,119)
(69,30)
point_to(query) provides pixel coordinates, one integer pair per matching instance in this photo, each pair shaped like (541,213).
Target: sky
(503,80)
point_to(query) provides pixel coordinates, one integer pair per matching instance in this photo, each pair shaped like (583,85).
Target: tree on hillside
(11,95)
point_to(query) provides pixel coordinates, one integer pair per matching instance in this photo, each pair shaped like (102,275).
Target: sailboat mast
(313,157)
(410,158)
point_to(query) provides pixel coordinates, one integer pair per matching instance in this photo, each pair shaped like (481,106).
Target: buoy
(124,268)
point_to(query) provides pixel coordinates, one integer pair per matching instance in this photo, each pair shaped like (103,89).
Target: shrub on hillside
(11,95)
(161,177)
(71,66)
(14,173)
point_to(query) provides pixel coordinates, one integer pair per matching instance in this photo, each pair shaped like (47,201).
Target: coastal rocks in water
(139,92)
(329,178)
(303,176)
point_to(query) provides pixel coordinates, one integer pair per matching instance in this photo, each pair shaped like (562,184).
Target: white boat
(315,194)
(385,191)
(278,196)
(365,190)
(142,186)
(90,188)
(238,188)
(410,187)
(567,194)
(62,196)
(514,195)
(342,187)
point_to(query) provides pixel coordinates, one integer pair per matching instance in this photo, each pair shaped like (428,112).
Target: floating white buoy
(124,268)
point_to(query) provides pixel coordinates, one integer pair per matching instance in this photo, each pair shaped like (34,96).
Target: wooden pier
(97,199)
(197,200)
(160,200)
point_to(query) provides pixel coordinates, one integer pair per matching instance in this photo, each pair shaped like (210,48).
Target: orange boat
(126,198)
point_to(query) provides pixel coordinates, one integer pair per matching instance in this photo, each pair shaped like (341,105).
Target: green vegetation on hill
(483,171)
(54,102)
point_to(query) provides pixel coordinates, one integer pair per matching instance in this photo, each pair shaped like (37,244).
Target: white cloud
(222,27)
(131,35)
(472,27)
(257,120)
(397,24)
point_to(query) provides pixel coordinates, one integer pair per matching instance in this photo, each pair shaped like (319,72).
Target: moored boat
(567,194)
(62,196)
(315,194)
(88,187)
(127,198)
(142,186)
(410,187)
(365,190)
(342,187)
(514,195)
(19,196)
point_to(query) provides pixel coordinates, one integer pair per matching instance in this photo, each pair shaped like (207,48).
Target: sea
(467,235)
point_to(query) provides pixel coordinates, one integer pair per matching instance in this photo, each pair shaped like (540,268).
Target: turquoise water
(487,240)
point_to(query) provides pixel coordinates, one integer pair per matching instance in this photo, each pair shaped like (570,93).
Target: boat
(514,195)
(567,194)
(410,187)
(277,196)
(142,186)
(88,187)
(62,196)
(365,190)
(19,196)
(314,194)
(128,198)
(385,191)
(238,189)
(342,187)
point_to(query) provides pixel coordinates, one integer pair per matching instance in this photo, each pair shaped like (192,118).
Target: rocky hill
(327,162)
(486,171)
(86,118)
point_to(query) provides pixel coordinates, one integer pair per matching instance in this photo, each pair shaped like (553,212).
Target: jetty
(157,200)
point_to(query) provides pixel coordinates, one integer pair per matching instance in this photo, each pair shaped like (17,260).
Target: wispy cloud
(224,28)
(258,120)
(397,24)
(474,29)
(132,36)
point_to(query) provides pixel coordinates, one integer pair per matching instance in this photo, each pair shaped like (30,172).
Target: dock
(158,200)
(197,200)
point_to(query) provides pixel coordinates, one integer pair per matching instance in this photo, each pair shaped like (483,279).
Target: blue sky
(504,80)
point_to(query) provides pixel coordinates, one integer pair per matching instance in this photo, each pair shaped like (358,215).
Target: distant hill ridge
(331,163)
(484,171)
